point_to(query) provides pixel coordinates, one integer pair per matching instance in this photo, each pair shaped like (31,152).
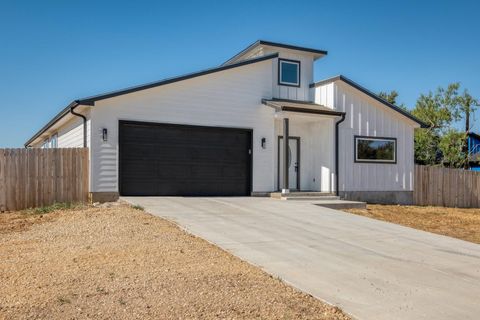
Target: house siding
(368,117)
(230,98)
(306,77)
(70,134)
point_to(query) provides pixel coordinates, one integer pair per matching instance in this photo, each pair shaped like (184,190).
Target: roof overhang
(60,119)
(269,44)
(90,101)
(372,95)
(285,105)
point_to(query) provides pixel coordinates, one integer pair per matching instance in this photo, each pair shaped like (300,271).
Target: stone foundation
(102,197)
(379,197)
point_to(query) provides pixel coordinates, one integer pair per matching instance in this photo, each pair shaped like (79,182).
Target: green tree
(466,106)
(391,98)
(427,147)
(452,147)
(438,110)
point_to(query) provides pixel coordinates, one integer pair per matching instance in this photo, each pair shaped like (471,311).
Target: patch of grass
(54,207)
(138,207)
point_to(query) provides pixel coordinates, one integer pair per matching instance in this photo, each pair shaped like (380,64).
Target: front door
(293,163)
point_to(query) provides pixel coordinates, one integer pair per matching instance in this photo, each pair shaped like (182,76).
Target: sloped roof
(90,101)
(372,95)
(300,106)
(277,45)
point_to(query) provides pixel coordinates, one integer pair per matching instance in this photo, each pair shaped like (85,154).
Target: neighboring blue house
(473,140)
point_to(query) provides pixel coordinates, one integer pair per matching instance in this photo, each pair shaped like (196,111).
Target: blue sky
(53,52)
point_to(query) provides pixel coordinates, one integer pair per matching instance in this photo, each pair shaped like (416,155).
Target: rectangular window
(45,144)
(289,72)
(375,149)
(54,141)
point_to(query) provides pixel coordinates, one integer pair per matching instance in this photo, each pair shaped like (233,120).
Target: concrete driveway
(370,269)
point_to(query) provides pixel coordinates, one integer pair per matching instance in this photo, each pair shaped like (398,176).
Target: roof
(274,44)
(474,135)
(90,101)
(300,106)
(372,95)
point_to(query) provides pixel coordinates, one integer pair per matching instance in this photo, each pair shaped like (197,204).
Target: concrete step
(310,198)
(301,194)
(340,204)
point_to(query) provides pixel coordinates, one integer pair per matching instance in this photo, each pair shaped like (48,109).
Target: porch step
(309,198)
(304,195)
(341,204)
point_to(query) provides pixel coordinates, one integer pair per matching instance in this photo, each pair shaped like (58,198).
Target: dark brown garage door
(166,159)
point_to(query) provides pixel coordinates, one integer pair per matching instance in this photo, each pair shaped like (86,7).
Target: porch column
(285,156)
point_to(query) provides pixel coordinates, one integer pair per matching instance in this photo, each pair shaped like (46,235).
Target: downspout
(72,111)
(336,155)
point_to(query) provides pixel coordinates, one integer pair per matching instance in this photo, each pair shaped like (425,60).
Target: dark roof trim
(274,44)
(312,111)
(372,95)
(277,101)
(59,116)
(90,101)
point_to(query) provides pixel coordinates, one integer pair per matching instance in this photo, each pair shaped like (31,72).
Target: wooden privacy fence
(438,186)
(40,177)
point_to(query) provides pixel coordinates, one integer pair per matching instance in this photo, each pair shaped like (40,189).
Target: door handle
(296,166)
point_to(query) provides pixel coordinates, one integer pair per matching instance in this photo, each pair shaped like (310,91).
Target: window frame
(355,149)
(289,84)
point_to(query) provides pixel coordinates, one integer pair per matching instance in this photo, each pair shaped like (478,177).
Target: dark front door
(169,159)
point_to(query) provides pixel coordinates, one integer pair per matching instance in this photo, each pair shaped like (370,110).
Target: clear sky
(52,52)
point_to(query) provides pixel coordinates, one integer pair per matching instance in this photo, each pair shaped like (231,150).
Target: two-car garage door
(168,159)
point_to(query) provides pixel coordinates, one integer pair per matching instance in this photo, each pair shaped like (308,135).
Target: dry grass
(453,222)
(121,263)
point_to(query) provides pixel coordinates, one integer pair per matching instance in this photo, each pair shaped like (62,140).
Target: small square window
(373,149)
(289,72)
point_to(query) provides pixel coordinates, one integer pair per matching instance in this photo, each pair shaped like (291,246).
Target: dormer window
(289,72)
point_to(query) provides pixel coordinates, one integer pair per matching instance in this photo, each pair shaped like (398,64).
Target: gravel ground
(121,263)
(453,222)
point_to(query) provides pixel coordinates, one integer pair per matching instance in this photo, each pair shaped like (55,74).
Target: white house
(221,132)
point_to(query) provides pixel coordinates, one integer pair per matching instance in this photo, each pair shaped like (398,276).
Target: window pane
(375,149)
(289,73)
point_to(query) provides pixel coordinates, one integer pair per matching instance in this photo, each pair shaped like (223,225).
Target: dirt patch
(122,263)
(453,222)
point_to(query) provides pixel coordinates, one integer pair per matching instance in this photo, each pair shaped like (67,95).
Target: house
(473,144)
(224,131)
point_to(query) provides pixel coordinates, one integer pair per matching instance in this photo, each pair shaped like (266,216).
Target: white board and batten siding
(303,92)
(229,98)
(367,117)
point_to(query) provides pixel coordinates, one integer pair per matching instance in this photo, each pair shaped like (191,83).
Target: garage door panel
(165,159)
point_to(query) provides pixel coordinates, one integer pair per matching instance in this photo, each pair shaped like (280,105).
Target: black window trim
(280,83)
(355,158)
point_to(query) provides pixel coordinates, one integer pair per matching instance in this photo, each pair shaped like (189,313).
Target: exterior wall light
(104,134)
(264,143)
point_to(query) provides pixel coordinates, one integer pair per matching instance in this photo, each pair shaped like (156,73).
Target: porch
(306,159)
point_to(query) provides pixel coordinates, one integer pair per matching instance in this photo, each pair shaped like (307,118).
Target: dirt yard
(121,263)
(453,222)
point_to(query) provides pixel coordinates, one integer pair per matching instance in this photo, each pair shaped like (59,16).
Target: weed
(138,207)
(52,207)
(63,300)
